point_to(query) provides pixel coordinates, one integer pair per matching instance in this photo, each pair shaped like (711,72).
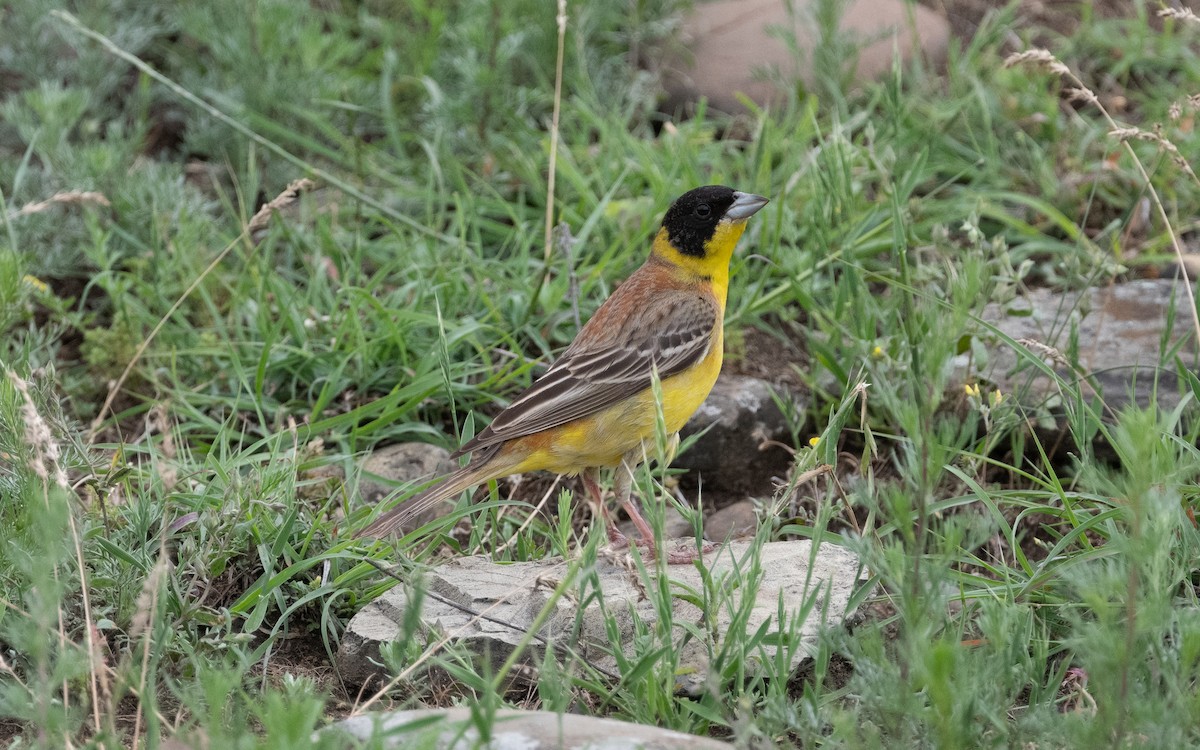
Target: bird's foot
(689,554)
(683,556)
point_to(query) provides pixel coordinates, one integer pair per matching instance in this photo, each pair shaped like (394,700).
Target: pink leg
(623,488)
(592,484)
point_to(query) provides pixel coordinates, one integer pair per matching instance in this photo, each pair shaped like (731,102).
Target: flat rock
(514,593)
(1113,334)
(394,466)
(451,729)
(731,44)
(737,454)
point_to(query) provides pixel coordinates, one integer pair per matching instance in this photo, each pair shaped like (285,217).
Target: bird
(594,408)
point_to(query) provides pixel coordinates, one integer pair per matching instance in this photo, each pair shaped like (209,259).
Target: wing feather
(672,333)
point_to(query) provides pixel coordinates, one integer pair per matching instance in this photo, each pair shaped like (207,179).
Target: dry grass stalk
(1037,58)
(261,220)
(561,21)
(1045,351)
(147,605)
(45,462)
(65,198)
(1179,14)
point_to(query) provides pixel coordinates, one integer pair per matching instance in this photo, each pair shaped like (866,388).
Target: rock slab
(816,587)
(1110,335)
(742,427)
(393,466)
(450,729)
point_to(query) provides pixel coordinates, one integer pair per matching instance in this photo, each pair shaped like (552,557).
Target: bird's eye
(703,211)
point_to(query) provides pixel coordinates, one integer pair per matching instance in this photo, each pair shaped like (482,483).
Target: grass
(183,569)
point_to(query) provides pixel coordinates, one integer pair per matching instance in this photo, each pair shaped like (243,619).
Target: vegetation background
(187,393)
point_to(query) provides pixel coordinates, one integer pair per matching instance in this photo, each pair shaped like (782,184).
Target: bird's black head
(693,217)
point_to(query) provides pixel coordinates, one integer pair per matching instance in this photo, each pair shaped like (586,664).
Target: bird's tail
(474,473)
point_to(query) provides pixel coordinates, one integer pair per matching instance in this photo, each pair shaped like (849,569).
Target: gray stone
(732,43)
(1117,332)
(394,466)
(451,729)
(736,454)
(732,522)
(514,594)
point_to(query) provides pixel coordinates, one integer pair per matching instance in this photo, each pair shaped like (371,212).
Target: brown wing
(670,332)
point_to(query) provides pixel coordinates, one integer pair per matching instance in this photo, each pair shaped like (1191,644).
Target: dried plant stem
(63,198)
(148,606)
(95,659)
(561,20)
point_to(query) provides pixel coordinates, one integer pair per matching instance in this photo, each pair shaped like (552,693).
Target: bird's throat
(712,267)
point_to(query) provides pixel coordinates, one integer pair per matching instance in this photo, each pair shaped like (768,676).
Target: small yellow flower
(996,397)
(877,352)
(33,281)
(814,441)
(972,390)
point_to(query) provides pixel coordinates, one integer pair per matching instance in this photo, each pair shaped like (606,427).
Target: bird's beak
(744,206)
